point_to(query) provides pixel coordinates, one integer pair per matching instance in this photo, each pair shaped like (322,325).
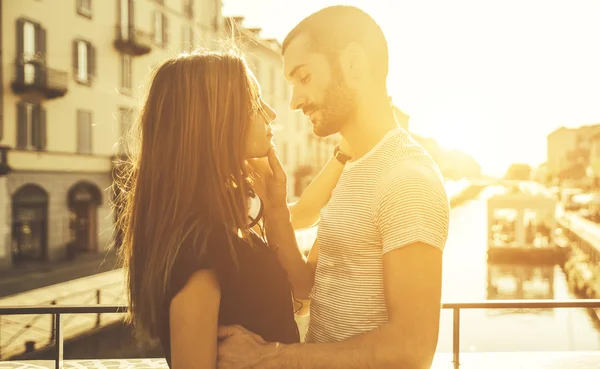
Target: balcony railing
(132,41)
(456,307)
(33,76)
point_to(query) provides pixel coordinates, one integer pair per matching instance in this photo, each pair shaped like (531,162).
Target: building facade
(571,155)
(73,73)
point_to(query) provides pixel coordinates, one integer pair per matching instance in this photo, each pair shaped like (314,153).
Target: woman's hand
(270,181)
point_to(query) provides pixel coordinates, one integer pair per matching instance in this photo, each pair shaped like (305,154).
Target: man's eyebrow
(295,69)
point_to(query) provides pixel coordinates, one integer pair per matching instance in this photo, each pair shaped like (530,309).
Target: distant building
(72,76)
(569,151)
(594,159)
(540,174)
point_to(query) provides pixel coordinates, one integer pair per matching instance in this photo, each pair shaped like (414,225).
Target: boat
(522,228)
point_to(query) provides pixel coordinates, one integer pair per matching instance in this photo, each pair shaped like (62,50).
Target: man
(374,273)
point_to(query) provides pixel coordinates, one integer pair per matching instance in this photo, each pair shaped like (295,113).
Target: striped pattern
(391,197)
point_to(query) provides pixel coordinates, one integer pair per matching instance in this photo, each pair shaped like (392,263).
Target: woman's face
(260,135)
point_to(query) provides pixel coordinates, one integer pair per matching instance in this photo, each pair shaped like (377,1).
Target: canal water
(468,277)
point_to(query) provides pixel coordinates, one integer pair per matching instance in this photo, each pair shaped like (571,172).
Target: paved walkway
(585,228)
(15,330)
(18,279)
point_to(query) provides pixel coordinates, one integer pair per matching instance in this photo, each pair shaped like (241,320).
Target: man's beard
(337,108)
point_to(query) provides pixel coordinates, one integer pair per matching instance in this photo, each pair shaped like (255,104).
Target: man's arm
(413,289)
(306,211)
(412,215)
(301,271)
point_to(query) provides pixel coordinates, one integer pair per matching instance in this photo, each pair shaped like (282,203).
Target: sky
(491,78)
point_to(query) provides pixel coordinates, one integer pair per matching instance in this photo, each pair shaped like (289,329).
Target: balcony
(132,41)
(500,360)
(33,78)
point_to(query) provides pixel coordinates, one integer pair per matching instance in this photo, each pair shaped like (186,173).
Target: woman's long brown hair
(187,174)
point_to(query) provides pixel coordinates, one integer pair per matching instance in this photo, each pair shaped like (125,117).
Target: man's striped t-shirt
(389,198)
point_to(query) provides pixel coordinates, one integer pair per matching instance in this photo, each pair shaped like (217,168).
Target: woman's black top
(255,294)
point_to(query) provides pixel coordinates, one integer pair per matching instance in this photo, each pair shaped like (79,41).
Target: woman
(194,259)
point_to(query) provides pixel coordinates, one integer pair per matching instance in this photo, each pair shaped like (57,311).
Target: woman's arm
(306,211)
(194,316)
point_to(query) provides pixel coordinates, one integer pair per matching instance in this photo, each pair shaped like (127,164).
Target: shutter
(36,126)
(40,50)
(75,60)
(154,30)
(20,37)
(165,29)
(131,19)
(40,41)
(20,70)
(21,125)
(84,132)
(43,132)
(80,131)
(89,133)
(91,61)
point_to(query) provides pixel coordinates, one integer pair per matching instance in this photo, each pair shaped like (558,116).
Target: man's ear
(355,60)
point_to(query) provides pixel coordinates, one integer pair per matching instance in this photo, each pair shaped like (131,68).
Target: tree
(518,171)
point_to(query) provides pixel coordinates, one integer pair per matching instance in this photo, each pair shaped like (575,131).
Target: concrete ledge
(492,360)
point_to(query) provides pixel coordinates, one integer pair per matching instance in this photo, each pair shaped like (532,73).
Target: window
(124,18)
(84,62)
(187,37)
(284,89)
(125,72)
(31,126)
(284,154)
(188,8)
(84,131)
(299,121)
(160,28)
(84,7)
(298,155)
(273,81)
(31,51)
(257,70)
(216,23)
(125,121)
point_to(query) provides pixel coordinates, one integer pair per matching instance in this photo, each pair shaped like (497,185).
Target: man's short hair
(331,29)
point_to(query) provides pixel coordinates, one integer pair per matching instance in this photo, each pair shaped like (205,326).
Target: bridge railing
(456,307)
(108,293)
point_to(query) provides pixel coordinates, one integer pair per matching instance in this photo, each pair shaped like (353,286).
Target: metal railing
(86,298)
(456,307)
(127,33)
(33,71)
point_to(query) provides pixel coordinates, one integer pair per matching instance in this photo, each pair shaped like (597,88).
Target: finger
(225,331)
(276,167)
(260,167)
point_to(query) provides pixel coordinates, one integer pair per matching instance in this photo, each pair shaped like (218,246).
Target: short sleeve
(192,257)
(411,205)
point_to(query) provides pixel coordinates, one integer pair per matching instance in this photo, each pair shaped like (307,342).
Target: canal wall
(582,271)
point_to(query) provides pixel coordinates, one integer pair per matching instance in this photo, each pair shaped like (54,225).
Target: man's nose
(297,100)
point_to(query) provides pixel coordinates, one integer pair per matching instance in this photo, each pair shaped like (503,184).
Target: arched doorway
(29,224)
(83,200)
